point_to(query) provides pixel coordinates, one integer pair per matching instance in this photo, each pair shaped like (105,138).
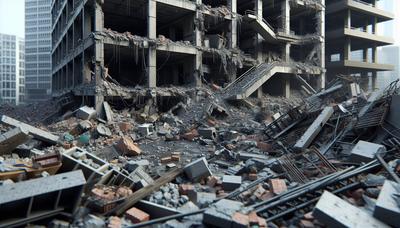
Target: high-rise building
(12,69)
(38,49)
(249,46)
(353,39)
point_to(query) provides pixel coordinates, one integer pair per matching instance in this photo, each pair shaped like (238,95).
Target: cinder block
(208,133)
(230,183)
(197,169)
(387,209)
(86,113)
(365,151)
(332,211)
(11,139)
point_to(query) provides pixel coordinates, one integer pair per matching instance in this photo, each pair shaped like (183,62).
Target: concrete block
(108,112)
(86,113)
(387,209)
(35,132)
(208,133)
(308,137)
(332,211)
(197,169)
(146,129)
(230,183)
(136,215)
(155,210)
(201,199)
(365,151)
(127,146)
(11,139)
(220,214)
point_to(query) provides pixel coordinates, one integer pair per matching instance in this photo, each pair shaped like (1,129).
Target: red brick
(136,215)
(264,146)
(278,186)
(126,146)
(253,176)
(125,127)
(184,189)
(306,224)
(166,160)
(267,195)
(259,192)
(212,122)
(241,219)
(191,135)
(114,222)
(212,181)
(253,218)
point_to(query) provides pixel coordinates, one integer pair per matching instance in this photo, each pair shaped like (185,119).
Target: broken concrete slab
(11,139)
(21,202)
(220,214)
(35,132)
(108,113)
(197,169)
(365,151)
(387,209)
(308,137)
(332,211)
(230,182)
(86,113)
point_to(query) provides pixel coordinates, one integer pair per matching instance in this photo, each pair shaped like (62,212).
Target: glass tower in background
(12,67)
(38,49)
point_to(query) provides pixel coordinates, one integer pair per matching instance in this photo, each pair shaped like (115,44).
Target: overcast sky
(12,18)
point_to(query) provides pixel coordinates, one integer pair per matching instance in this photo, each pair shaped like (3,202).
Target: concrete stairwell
(261,26)
(254,78)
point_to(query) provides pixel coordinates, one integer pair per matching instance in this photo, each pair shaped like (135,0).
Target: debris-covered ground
(328,160)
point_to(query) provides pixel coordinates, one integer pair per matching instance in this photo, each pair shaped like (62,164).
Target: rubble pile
(330,159)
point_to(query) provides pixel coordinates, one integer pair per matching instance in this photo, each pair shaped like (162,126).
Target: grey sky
(12,18)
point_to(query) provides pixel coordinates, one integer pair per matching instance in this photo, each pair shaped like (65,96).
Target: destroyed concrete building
(351,29)
(247,47)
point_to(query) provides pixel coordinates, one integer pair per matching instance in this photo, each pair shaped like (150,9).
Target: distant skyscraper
(389,55)
(12,67)
(38,49)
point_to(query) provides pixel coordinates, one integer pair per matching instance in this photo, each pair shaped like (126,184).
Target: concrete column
(374,54)
(321,16)
(286,86)
(374,84)
(260,92)
(198,72)
(232,5)
(99,52)
(375,26)
(258,38)
(347,19)
(286,16)
(152,52)
(286,52)
(347,49)
(365,54)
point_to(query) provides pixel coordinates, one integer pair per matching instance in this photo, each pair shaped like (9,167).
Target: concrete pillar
(374,84)
(347,19)
(232,5)
(375,26)
(286,16)
(99,54)
(260,92)
(258,39)
(152,51)
(347,49)
(322,77)
(365,55)
(286,52)
(286,86)
(198,72)
(374,54)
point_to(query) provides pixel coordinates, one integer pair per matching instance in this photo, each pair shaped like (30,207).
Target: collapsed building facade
(358,32)
(247,47)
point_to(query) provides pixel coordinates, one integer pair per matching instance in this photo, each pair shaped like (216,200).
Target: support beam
(198,72)
(286,16)
(286,86)
(152,52)
(258,39)
(232,5)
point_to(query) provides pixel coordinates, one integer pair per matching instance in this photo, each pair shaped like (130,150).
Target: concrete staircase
(255,77)
(261,26)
